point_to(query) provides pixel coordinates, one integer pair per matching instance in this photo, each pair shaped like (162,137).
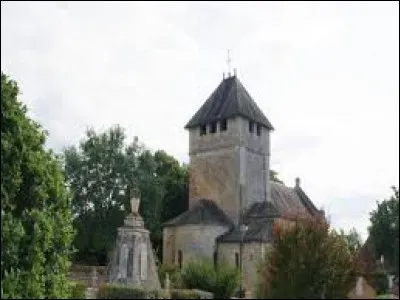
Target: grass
(385,296)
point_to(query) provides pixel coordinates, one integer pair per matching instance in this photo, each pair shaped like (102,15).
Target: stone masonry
(133,262)
(220,162)
(193,241)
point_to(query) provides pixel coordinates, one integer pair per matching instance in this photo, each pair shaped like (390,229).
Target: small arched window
(180,259)
(203,130)
(259,129)
(237,260)
(213,127)
(224,125)
(251,126)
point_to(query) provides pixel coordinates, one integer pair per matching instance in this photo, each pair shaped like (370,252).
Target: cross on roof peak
(229,66)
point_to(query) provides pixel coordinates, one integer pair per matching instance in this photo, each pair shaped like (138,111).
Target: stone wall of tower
(214,167)
(221,161)
(255,166)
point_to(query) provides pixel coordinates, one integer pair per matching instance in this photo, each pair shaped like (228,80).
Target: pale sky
(326,75)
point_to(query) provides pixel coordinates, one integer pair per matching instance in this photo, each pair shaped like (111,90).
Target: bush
(78,290)
(227,281)
(101,270)
(190,294)
(222,280)
(307,261)
(174,275)
(379,282)
(199,275)
(113,291)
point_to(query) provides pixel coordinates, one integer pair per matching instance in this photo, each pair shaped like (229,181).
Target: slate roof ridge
(258,231)
(307,201)
(204,211)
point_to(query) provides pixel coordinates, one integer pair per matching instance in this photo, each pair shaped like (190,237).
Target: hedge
(101,270)
(379,282)
(190,294)
(78,290)
(113,291)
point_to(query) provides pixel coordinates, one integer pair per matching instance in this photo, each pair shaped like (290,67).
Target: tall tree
(36,219)
(353,240)
(384,229)
(174,178)
(307,261)
(273,176)
(102,172)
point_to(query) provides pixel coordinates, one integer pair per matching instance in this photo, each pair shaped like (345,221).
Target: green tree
(102,173)
(221,280)
(174,179)
(384,229)
(36,219)
(353,240)
(273,176)
(307,261)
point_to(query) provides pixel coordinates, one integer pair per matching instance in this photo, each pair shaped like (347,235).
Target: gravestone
(132,262)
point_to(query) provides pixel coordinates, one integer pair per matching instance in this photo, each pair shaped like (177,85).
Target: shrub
(101,270)
(379,282)
(199,275)
(227,281)
(174,275)
(190,294)
(78,290)
(222,280)
(307,260)
(113,291)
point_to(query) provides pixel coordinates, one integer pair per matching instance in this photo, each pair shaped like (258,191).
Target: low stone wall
(90,275)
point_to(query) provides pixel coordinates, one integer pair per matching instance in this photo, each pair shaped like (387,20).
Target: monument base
(132,262)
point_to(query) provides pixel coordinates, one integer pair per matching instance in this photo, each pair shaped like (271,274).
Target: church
(232,202)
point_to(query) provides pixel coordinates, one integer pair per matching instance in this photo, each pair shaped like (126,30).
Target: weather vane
(228,62)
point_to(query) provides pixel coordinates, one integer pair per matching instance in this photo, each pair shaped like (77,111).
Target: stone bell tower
(229,149)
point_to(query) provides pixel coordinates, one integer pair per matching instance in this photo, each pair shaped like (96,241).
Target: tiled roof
(203,212)
(262,210)
(259,230)
(287,200)
(229,99)
(259,218)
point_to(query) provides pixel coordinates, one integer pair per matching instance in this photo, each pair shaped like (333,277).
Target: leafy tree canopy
(273,176)
(307,261)
(104,172)
(36,220)
(353,240)
(384,229)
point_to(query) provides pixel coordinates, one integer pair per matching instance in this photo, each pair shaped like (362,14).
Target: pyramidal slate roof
(205,212)
(229,99)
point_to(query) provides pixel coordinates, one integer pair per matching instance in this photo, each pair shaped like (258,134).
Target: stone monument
(132,262)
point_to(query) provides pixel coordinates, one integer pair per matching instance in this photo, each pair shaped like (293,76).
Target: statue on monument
(132,261)
(135,202)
